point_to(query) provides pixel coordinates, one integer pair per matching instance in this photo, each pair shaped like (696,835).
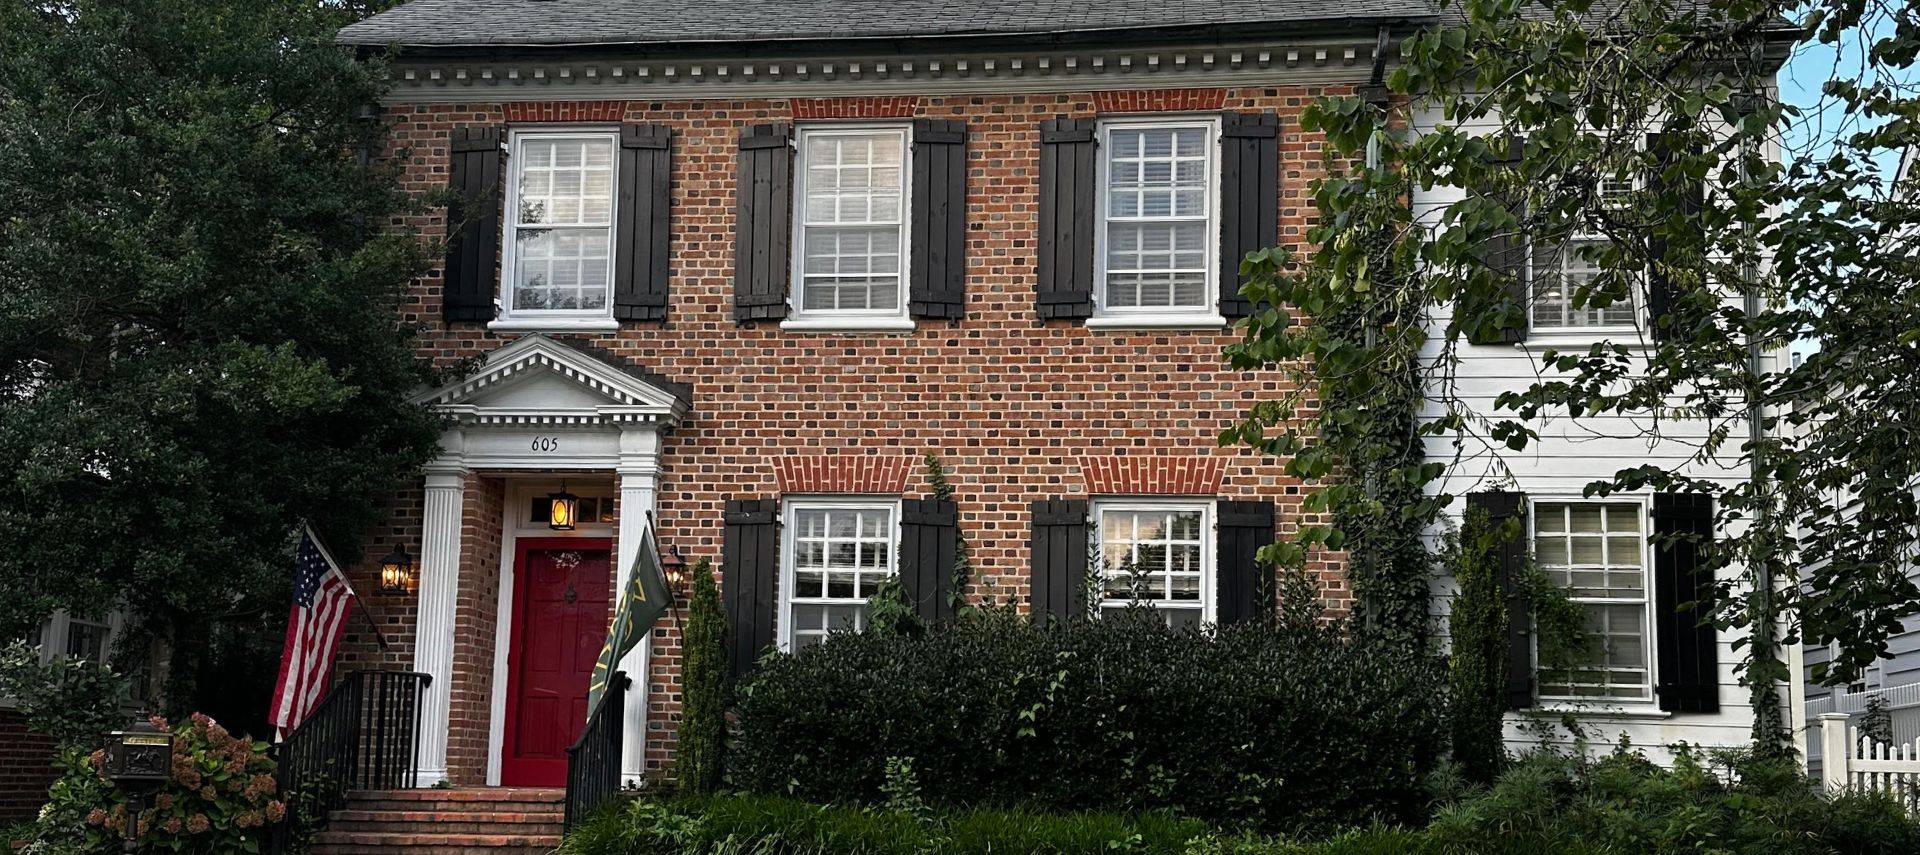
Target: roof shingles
(502,23)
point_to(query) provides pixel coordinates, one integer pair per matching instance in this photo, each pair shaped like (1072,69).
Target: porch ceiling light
(564,509)
(397,572)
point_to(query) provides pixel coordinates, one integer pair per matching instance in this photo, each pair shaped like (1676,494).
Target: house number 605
(546,443)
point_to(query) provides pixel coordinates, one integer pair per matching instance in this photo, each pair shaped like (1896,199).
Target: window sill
(1179,321)
(554,325)
(1637,711)
(848,325)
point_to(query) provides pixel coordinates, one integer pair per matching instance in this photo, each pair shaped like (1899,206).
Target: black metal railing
(593,761)
(364,735)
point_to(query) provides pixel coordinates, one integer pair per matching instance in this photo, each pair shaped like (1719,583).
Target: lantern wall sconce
(398,573)
(674,568)
(563,509)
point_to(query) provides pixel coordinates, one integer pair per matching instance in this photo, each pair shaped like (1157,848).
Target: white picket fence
(1850,761)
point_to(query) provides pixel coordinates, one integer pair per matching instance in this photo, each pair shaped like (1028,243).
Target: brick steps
(495,821)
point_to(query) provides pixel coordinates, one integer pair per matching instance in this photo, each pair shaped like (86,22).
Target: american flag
(321,597)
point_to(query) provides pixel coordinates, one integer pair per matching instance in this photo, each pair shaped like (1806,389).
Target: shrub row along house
(741,265)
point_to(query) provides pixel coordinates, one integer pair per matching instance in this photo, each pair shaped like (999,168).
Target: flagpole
(365,613)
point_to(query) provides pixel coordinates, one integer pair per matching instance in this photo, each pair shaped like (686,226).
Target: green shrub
(75,701)
(703,715)
(1272,727)
(772,825)
(221,798)
(1477,661)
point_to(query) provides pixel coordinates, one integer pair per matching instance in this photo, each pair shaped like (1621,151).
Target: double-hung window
(1598,552)
(1158,555)
(851,223)
(1158,223)
(560,226)
(1559,269)
(836,554)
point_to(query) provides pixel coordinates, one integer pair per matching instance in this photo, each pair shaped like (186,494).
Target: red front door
(560,611)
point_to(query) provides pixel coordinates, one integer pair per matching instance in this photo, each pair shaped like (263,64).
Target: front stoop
(492,821)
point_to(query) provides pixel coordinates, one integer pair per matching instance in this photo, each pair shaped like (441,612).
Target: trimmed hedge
(1265,727)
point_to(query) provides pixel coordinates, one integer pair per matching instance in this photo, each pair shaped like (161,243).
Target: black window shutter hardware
(1064,287)
(640,268)
(1249,199)
(928,532)
(1683,588)
(1059,550)
(1244,588)
(937,232)
(473,226)
(750,565)
(1661,290)
(763,227)
(1507,254)
(1512,556)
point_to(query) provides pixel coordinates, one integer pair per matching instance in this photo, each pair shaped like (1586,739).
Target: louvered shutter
(937,237)
(928,529)
(1661,290)
(1068,194)
(1512,556)
(1249,199)
(473,225)
(750,565)
(1244,589)
(1505,322)
(640,248)
(763,224)
(1059,556)
(1683,591)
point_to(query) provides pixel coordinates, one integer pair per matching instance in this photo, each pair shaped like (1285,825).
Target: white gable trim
(625,399)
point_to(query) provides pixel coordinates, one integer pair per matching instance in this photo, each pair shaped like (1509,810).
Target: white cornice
(425,79)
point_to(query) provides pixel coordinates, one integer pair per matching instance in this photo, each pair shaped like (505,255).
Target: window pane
(1157,218)
(852,217)
(1599,561)
(1559,270)
(1152,558)
(839,556)
(565,183)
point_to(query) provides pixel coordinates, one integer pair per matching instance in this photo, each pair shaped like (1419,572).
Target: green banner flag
(641,604)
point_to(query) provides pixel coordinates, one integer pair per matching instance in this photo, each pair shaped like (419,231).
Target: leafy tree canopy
(1555,118)
(199,344)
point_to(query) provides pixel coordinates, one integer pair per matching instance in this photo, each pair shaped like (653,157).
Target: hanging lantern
(397,572)
(564,509)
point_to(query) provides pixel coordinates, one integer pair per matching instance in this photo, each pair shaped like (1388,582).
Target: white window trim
(790,506)
(799,318)
(1572,334)
(1208,313)
(1209,565)
(1651,641)
(557,320)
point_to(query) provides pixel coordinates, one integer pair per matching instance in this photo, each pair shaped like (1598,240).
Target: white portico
(536,410)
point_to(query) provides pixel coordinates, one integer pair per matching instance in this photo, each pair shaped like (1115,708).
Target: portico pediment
(544,381)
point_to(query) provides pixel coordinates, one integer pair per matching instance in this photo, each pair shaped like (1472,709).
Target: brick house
(740,266)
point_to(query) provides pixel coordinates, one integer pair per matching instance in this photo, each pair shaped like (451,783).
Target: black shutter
(473,225)
(1245,585)
(1067,219)
(1507,255)
(640,248)
(763,225)
(750,564)
(1512,555)
(1249,199)
(1059,558)
(937,282)
(1661,291)
(928,530)
(1683,589)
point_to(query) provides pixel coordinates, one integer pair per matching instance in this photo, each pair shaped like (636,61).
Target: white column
(638,476)
(433,628)
(1834,753)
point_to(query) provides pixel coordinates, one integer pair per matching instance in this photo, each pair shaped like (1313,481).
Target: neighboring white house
(1659,678)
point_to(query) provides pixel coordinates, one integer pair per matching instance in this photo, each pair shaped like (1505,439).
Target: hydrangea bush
(222,797)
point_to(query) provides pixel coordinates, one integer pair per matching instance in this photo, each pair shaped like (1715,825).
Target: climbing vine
(963,569)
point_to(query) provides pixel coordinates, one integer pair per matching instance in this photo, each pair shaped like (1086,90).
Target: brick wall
(1014,406)
(26,768)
